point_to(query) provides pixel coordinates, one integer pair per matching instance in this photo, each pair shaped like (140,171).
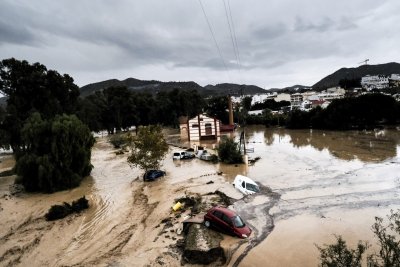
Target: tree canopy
(148,148)
(32,88)
(56,153)
(228,151)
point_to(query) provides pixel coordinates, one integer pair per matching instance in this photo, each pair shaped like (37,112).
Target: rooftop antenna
(365,62)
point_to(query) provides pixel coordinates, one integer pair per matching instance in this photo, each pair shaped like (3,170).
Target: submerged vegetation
(388,236)
(148,148)
(229,152)
(61,211)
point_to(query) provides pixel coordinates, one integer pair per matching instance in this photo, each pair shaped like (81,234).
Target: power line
(213,36)
(232,33)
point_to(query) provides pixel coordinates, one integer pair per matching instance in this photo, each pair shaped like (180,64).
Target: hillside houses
(370,82)
(310,99)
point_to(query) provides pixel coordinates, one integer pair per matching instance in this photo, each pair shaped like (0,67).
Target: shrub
(61,211)
(119,140)
(56,153)
(388,241)
(229,152)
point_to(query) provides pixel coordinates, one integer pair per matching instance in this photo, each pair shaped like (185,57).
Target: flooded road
(328,182)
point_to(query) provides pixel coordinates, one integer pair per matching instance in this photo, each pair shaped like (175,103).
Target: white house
(282,97)
(296,100)
(200,127)
(374,82)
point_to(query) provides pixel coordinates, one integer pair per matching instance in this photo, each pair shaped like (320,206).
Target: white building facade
(201,127)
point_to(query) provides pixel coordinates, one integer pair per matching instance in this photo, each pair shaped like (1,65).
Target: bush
(229,152)
(119,140)
(61,211)
(57,212)
(388,236)
(56,153)
(339,255)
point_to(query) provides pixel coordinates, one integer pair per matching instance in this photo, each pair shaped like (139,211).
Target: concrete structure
(307,95)
(394,80)
(332,93)
(296,100)
(370,82)
(282,97)
(200,127)
(256,112)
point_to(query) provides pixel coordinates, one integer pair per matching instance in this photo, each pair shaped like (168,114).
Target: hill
(234,89)
(356,73)
(158,86)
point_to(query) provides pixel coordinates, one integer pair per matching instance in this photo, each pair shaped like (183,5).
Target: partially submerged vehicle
(183,155)
(206,156)
(245,185)
(152,175)
(227,221)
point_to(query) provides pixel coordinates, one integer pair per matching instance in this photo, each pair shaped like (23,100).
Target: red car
(226,220)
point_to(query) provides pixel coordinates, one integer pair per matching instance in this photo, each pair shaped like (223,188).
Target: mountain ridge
(333,79)
(155,86)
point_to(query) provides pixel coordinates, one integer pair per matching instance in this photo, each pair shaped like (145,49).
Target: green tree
(388,236)
(388,240)
(56,153)
(92,110)
(33,88)
(120,111)
(229,151)
(148,148)
(339,255)
(217,106)
(246,102)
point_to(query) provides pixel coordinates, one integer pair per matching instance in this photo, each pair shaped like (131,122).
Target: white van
(245,185)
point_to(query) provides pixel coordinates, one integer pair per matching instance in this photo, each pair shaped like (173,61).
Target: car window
(176,154)
(226,219)
(252,187)
(243,184)
(237,221)
(218,214)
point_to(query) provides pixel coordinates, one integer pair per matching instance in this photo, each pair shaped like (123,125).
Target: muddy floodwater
(328,183)
(314,184)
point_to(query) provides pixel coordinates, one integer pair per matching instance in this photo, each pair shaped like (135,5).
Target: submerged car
(227,221)
(183,155)
(152,175)
(245,185)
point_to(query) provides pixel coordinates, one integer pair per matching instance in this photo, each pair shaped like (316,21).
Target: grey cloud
(270,31)
(302,25)
(15,34)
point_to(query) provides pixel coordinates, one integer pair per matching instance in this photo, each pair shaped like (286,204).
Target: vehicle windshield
(177,154)
(237,221)
(252,187)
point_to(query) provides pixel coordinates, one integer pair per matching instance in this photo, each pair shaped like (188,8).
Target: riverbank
(129,222)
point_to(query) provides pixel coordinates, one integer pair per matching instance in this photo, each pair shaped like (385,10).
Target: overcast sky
(279,42)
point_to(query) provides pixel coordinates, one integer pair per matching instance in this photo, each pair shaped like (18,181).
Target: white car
(183,155)
(245,185)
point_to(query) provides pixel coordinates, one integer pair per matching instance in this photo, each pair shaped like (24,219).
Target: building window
(195,126)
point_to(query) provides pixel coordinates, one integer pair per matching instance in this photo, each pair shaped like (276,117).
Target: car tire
(207,224)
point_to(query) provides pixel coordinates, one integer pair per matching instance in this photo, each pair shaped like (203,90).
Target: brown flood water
(322,183)
(328,183)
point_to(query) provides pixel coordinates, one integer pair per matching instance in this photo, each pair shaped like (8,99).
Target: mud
(314,184)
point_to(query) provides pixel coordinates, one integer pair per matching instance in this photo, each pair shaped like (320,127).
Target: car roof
(245,178)
(227,212)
